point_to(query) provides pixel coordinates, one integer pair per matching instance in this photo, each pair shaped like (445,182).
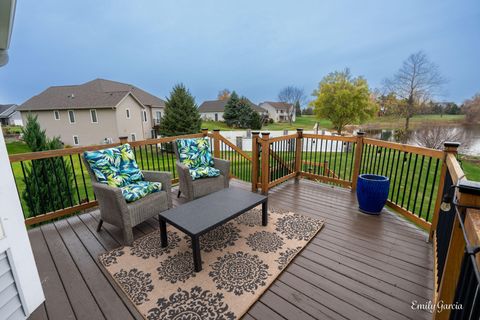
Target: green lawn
(17,147)
(471,169)
(307,122)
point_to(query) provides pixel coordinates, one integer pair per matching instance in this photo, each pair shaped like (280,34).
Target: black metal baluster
(75,179)
(388,166)
(57,180)
(153,158)
(425,186)
(433,188)
(406,178)
(411,182)
(352,160)
(418,184)
(340,176)
(34,171)
(403,158)
(158,158)
(330,158)
(28,188)
(141,156)
(83,177)
(70,196)
(396,156)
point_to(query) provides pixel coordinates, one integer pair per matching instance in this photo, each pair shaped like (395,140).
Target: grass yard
(307,122)
(17,147)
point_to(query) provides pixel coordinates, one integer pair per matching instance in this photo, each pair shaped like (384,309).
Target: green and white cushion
(106,166)
(134,191)
(203,172)
(197,156)
(117,168)
(195,152)
(128,166)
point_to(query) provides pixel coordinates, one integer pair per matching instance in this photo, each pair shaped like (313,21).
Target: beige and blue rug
(241,259)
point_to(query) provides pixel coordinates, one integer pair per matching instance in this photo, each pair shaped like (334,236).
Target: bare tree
(224,94)
(471,108)
(434,137)
(417,81)
(292,95)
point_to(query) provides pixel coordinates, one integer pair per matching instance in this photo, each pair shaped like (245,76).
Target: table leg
(163,233)
(197,259)
(265,213)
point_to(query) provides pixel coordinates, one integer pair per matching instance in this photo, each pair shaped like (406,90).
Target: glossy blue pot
(372,192)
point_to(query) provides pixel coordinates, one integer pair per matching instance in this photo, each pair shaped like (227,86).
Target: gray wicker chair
(115,210)
(193,189)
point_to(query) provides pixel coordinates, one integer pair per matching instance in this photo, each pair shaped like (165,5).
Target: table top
(202,214)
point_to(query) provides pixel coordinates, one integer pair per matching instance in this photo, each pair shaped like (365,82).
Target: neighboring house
(95,112)
(9,115)
(213,110)
(279,111)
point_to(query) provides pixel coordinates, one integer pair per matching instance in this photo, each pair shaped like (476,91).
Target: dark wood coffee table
(204,214)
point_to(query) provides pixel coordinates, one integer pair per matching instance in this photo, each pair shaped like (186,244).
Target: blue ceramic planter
(372,192)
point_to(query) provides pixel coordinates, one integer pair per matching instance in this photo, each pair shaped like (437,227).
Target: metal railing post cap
(451,144)
(216,130)
(204,131)
(255,133)
(360,133)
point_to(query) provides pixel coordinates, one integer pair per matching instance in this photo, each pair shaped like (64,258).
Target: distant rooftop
(98,93)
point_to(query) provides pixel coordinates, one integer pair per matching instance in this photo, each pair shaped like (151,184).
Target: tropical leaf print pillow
(106,166)
(128,166)
(195,153)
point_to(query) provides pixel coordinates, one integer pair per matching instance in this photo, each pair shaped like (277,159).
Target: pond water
(467,135)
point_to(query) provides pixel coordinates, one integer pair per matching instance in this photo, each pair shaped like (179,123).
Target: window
(145,116)
(133,137)
(56,115)
(93,115)
(158,117)
(71,116)
(128,113)
(76,142)
(216,116)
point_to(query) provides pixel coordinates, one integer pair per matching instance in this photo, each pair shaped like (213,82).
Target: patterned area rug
(240,259)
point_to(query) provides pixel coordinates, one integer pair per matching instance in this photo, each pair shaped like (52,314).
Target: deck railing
(421,179)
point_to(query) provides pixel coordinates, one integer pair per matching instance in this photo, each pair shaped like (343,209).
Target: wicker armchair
(115,210)
(193,189)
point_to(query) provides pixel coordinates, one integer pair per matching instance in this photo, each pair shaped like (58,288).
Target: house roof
(6,110)
(219,106)
(279,105)
(98,93)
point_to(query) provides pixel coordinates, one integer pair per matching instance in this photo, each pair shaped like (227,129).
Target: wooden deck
(357,267)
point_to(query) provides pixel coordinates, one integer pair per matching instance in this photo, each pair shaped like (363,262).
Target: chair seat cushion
(134,191)
(203,172)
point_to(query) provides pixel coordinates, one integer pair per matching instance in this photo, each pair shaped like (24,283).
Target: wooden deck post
(449,147)
(265,162)
(255,162)
(357,159)
(298,151)
(123,139)
(453,261)
(216,143)
(205,131)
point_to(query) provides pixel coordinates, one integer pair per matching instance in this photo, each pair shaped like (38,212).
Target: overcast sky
(253,47)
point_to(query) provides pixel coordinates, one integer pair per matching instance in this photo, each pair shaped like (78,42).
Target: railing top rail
(327,137)
(406,148)
(77,150)
(281,138)
(234,147)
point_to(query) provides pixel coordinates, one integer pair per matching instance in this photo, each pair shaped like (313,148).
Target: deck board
(357,267)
